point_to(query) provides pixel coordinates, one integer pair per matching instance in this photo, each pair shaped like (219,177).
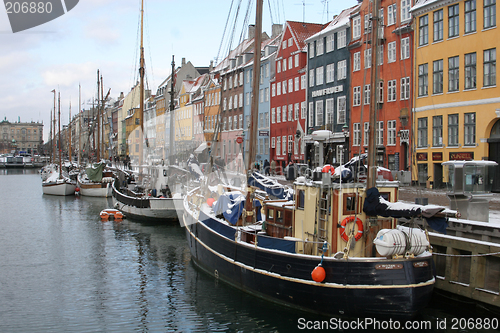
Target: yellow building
(184,121)
(457,101)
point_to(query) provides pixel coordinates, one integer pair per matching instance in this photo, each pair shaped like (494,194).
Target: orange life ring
(344,222)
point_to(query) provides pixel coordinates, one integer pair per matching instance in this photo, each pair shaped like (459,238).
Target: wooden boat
(96,181)
(329,251)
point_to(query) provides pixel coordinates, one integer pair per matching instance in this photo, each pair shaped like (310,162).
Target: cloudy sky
(104,35)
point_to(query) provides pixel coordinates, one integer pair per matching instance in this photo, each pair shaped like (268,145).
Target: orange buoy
(104,215)
(77,189)
(318,274)
(343,224)
(210,201)
(114,213)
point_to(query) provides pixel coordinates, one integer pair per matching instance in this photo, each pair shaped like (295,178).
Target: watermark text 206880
(28,7)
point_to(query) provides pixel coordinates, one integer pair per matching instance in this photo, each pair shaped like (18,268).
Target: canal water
(63,270)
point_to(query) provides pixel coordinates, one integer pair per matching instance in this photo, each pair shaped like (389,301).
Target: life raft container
(114,213)
(343,224)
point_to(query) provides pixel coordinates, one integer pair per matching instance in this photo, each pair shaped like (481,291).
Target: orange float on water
(318,274)
(114,213)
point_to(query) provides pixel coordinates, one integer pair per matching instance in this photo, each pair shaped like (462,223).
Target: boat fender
(318,274)
(343,224)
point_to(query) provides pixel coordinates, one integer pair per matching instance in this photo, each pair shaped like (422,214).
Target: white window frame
(391,132)
(341,39)
(405,48)
(356,134)
(356,96)
(366,133)
(356,62)
(341,109)
(391,52)
(330,73)
(303,110)
(341,69)
(380,133)
(366,94)
(330,43)
(319,113)
(392,92)
(368,58)
(329,111)
(319,75)
(391,14)
(356,27)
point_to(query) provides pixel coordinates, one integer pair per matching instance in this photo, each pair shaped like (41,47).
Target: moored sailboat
(334,249)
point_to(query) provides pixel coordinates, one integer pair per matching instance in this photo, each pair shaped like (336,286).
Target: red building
(288,93)
(394,42)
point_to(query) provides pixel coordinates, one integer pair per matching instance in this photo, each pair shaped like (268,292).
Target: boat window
(279,216)
(386,195)
(270,214)
(350,204)
(301,199)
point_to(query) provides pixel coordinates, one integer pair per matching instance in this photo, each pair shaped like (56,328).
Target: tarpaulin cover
(276,243)
(376,205)
(94,173)
(231,205)
(269,185)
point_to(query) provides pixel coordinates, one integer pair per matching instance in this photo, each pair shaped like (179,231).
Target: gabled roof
(301,31)
(340,21)
(422,3)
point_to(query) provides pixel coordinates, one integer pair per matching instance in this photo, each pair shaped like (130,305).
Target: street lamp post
(345,130)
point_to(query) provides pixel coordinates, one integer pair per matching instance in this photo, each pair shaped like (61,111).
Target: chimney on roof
(277,29)
(121,95)
(251,31)
(183,61)
(211,67)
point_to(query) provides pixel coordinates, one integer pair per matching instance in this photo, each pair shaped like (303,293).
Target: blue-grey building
(328,92)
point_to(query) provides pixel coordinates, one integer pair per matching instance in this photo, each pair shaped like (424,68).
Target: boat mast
(250,216)
(372,163)
(51,152)
(98,145)
(80,118)
(101,111)
(59,124)
(172,120)
(54,126)
(141,92)
(69,133)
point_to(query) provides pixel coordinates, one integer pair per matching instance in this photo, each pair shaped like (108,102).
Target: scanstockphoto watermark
(371,324)
(25,15)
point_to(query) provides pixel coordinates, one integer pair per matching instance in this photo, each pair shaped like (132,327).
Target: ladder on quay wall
(322,215)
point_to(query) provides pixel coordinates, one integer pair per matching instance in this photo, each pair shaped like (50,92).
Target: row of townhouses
(436,92)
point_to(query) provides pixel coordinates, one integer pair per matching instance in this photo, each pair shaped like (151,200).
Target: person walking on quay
(273,168)
(266,167)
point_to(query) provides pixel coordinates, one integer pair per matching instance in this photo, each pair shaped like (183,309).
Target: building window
(405,48)
(437,131)
(290,41)
(290,143)
(284,86)
(284,65)
(423,84)
(296,107)
(380,55)
(380,133)
(356,27)
(356,62)
(283,113)
(319,75)
(330,43)
(290,62)
(273,115)
(341,39)
(329,111)
(297,87)
(391,14)
(380,95)
(341,69)
(319,47)
(330,73)
(278,88)
(405,88)
(453,21)
(470,71)
(290,85)
(290,112)
(391,90)
(356,96)
(391,52)
(381,22)
(319,113)
(469,129)
(278,145)
(284,145)
(366,95)
(311,114)
(453,73)
(356,135)
(437,75)
(422,133)
(453,130)
(303,82)
(405,10)
(303,110)
(311,50)
(341,110)
(278,114)
(311,78)
(490,9)
(273,92)
(278,66)
(391,133)
(423,30)
(297,60)
(438,25)
(368,58)
(489,67)
(470,16)
(368,23)
(366,137)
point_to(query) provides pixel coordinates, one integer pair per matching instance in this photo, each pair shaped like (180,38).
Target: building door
(494,154)
(422,174)
(438,175)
